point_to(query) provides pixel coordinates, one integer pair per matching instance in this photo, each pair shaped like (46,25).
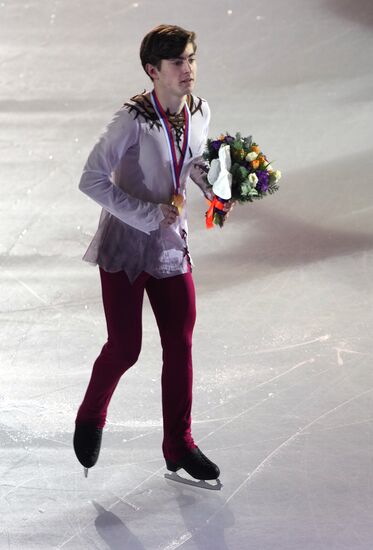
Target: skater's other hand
(170,213)
(228,207)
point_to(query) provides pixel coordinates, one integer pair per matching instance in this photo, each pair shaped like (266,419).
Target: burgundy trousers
(173,302)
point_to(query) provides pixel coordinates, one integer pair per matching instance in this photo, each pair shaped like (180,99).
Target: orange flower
(255,148)
(255,164)
(222,137)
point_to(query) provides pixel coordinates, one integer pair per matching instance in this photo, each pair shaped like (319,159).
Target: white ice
(283,388)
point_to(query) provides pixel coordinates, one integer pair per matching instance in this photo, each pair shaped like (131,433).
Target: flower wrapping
(219,175)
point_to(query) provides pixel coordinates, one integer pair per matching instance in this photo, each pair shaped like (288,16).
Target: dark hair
(164,42)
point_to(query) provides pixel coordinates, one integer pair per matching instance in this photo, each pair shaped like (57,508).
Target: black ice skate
(87,444)
(196,464)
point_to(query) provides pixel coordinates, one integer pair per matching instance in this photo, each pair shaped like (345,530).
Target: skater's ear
(152,71)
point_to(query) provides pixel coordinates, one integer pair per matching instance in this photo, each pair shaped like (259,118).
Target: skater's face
(176,76)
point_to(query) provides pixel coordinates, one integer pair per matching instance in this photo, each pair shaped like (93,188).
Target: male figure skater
(137,172)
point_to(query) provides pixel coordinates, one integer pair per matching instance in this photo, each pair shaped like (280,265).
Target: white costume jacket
(128,173)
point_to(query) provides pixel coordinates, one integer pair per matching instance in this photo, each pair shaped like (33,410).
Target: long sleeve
(200,166)
(198,173)
(119,135)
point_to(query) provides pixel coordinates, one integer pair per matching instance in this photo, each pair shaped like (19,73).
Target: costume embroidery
(141,105)
(186,252)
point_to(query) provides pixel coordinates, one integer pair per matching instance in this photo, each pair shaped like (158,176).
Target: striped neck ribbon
(176,165)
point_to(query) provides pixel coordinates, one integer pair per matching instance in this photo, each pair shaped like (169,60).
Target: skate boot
(196,464)
(87,444)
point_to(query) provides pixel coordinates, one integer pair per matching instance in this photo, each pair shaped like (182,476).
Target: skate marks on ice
(185,537)
(339,351)
(241,413)
(216,486)
(323,338)
(340,348)
(303,431)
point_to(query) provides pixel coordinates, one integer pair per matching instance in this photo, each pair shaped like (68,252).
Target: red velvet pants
(173,302)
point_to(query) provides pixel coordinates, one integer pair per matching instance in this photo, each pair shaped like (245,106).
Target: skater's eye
(179,62)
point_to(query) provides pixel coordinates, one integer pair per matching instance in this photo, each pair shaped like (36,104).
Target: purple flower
(216,144)
(263,180)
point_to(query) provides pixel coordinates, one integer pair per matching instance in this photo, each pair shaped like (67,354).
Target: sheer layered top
(128,173)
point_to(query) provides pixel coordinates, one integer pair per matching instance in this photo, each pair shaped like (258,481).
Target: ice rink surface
(283,381)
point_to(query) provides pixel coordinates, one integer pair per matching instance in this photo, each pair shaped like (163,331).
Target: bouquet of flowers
(239,171)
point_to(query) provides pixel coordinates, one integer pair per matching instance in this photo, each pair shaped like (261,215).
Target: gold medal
(178,201)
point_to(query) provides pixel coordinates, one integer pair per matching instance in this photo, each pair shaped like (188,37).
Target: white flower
(251,156)
(269,168)
(253,179)
(277,175)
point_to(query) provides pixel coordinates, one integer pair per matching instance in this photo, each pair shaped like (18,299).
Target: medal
(177,200)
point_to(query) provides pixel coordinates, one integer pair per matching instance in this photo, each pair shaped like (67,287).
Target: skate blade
(85,472)
(213,485)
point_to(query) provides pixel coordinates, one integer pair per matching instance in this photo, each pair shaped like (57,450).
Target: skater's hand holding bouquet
(239,171)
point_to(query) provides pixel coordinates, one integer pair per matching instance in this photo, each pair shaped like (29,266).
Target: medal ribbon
(176,165)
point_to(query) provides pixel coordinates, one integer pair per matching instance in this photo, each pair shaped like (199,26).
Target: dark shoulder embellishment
(142,106)
(195,105)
